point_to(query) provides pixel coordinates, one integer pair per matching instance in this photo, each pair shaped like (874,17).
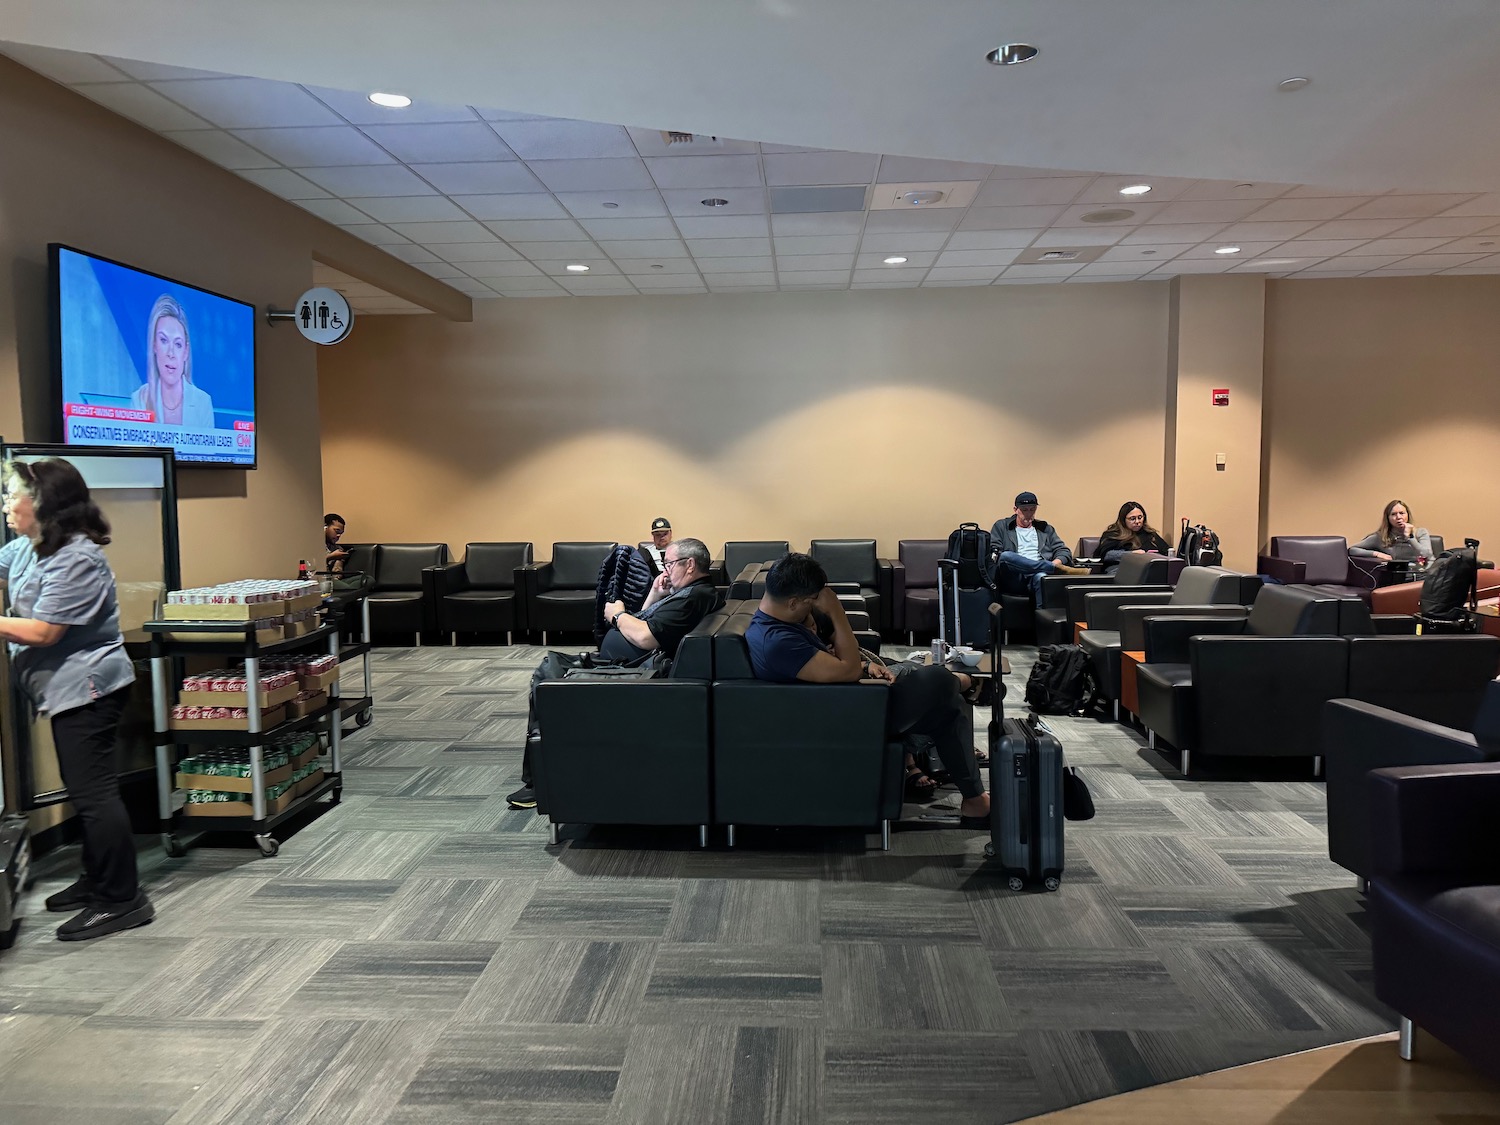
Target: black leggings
(85,739)
(929,701)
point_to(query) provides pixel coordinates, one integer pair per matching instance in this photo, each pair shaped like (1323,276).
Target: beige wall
(895,414)
(1380,389)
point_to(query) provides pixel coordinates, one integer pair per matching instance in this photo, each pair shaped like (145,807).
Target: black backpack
(1199,545)
(969,546)
(1450,592)
(1061,681)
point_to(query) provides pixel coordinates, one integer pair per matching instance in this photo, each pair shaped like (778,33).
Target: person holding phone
(168,391)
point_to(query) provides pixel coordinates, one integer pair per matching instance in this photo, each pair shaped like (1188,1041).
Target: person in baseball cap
(661,539)
(1028,550)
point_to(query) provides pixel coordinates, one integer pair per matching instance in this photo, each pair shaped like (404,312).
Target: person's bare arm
(659,589)
(29,631)
(844,664)
(637,632)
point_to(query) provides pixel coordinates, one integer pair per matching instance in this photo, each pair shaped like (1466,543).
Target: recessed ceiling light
(576,267)
(896,261)
(1287,85)
(1135,189)
(1108,215)
(1011,54)
(611,206)
(1227,250)
(391,101)
(715,202)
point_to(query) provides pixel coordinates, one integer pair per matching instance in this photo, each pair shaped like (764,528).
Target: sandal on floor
(920,787)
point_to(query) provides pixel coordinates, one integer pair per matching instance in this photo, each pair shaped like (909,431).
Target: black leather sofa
(560,592)
(914,594)
(1362,736)
(740,553)
(1322,561)
(403,597)
(1062,594)
(482,594)
(1434,905)
(1255,686)
(853,567)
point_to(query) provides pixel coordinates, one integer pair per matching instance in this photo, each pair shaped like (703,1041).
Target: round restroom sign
(323,315)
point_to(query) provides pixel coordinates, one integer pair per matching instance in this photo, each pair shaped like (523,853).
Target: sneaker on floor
(99,920)
(522,798)
(79,894)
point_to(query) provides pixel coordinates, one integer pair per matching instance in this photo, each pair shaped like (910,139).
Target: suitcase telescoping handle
(950,566)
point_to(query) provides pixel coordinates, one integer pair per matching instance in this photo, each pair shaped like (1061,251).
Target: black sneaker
(97,921)
(81,893)
(522,798)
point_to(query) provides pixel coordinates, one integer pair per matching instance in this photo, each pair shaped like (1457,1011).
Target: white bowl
(969,657)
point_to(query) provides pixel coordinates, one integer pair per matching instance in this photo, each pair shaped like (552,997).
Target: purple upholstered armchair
(1322,561)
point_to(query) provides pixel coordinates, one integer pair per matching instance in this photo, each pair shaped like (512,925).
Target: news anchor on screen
(168,391)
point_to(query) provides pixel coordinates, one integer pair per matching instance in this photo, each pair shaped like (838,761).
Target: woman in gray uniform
(67,654)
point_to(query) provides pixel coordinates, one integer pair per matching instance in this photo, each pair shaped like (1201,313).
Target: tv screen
(145,360)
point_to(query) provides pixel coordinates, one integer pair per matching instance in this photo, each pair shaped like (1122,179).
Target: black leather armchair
(560,593)
(1320,560)
(740,553)
(830,736)
(914,595)
(1434,905)
(482,594)
(403,597)
(852,567)
(1361,736)
(1055,618)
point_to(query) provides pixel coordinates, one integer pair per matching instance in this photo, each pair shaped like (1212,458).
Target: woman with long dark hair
(1130,532)
(67,654)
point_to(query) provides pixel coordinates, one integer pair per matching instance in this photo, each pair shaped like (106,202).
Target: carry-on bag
(1026,801)
(1450,593)
(963,614)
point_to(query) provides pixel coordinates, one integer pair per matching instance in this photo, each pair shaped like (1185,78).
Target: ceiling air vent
(1058,256)
(1110,215)
(672,137)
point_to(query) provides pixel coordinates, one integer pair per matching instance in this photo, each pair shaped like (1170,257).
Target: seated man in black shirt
(784,648)
(682,595)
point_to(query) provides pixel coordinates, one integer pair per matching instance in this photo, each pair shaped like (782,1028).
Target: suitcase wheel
(1051,882)
(1015,883)
(989,851)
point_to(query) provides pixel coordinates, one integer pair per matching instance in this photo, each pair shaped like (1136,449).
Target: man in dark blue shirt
(784,648)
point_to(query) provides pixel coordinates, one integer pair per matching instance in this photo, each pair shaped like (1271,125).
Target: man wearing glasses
(681,596)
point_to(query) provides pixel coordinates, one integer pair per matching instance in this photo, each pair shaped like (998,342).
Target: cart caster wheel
(1015,883)
(336,794)
(268,845)
(989,851)
(363,718)
(173,847)
(1051,882)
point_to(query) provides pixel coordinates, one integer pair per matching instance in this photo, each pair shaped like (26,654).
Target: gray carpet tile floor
(418,955)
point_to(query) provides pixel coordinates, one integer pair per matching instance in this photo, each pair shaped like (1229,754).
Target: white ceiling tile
(556,291)
(1248,250)
(1318,247)
(650,142)
(513,115)
(1138,212)
(375,234)
(333,211)
(976,258)
(1317,191)
(539,230)
(1080,278)
(1052,192)
(523,205)
(1041,272)
(1448,226)
(367,179)
(817,244)
(709,264)
(1172,232)
(956,283)
(1197,265)
(248,103)
(793,279)
(1158,252)
(891,275)
(554,251)
(1401,271)
(1360,264)
(1470,271)
(646,248)
(1230,189)
(972,240)
(725,226)
(591,175)
(738,280)
(668,281)
(1016,172)
(437,234)
(558,139)
(222,149)
(1320,208)
(739,201)
(1260,232)
(1213,211)
(704,171)
(649,267)
(621,230)
(279,181)
(1102,235)
(442,271)
(1398,246)
(771,146)
(1407,206)
(411,253)
(319,146)
(728,247)
(829,222)
(558,267)
(914,220)
(1487,262)
(790,168)
(1466,245)
(1106,190)
(904,242)
(492,178)
(613,204)
(859,283)
(1008,218)
(1354,228)
(455,143)
(589,283)
(536,281)
(963,273)
(876,261)
(67,67)
(467,252)
(1117,269)
(800,263)
(901,169)
(143,105)
(1440,261)
(1483,205)
(358,109)
(409,208)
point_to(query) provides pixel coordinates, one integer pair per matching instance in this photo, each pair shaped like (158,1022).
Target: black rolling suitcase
(963,614)
(1026,801)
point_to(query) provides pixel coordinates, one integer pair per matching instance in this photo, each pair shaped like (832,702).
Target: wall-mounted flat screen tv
(142,359)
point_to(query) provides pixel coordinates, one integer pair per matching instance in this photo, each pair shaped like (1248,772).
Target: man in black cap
(661,539)
(1028,549)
